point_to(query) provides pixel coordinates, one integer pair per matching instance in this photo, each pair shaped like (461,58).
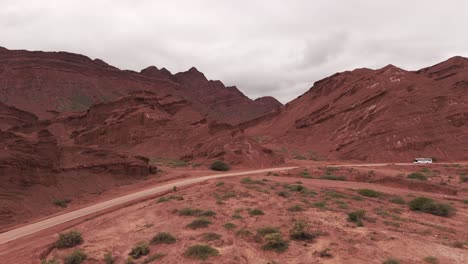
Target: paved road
(57,220)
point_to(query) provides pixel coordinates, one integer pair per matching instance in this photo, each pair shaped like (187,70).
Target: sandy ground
(390,230)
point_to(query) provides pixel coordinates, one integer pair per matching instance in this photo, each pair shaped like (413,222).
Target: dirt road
(57,220)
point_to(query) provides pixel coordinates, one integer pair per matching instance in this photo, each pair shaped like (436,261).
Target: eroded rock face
(377,115)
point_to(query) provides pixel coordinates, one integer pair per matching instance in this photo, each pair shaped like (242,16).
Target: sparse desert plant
(168,198)
(417,176)
(220,184)
(68,240)
(229,226)
(219,166)
(76,257)
(427,205)
(62,202)
(391,261)
(195,212)
(296,208)
(163,238)
(283,194)
(263,231)
(357,217)
(296,188)
(129,260)
(236,216)
(275,241)
(299,232)
(201,252)
(320,204)
(249,180)
(458,244)
(463,178)
(255,211)
(305,174)
(465,201)
(431,260)
(333,178)
(325,253)
(243,233)
(369,192)
(108,258)
(139,250)
(210,236)
(199,223)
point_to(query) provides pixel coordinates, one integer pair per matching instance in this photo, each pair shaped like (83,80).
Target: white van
(422,160)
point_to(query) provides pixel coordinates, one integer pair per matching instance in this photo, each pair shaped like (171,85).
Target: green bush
(417,176)
(431,260)
(369,192)
(325,253)
(283,194)
(201,252)
(139,250)
(108,258)
(68,240)
(76,257)
(62,202)
(391,261)
(266,230)
(196,212)
(255,211)
(296,208)
(333,178)
(199,223)
(275,242)
(229,226)
(210,236)
(248,180)
(163,238)
(427,205)
(299,232)
(357,217)
(219,166)
(168,198)
(220,184)
(129,260)
(296,188)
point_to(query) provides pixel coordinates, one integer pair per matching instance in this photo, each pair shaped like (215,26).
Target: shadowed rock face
(47,83)
(377,115)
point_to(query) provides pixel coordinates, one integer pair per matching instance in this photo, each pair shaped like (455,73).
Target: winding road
(60,219)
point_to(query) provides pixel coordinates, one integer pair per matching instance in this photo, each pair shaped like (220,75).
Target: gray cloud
(265,47)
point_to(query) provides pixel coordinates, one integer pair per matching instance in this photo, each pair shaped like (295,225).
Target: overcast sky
(268,47)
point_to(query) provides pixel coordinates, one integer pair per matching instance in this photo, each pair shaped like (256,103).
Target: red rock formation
(377,115)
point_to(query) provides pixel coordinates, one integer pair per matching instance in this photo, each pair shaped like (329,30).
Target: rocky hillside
(388,114)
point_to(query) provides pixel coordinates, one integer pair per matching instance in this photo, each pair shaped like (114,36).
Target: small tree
(219,166)
(68,240)
(141,249)
(76,257)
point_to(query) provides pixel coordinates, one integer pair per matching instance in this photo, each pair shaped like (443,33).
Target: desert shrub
(296,188)
(196,212)
(299,232)
(465,201)
(129,260)
(305,174)
(463,178)
(76,257)
(139,250)
(417,176)
(243,233)
(210,236)
(163,238)
(431,260)
(325,253)
(296,208)
(320,205)
(333,178)
(229,226)
(334,194)
(427,205)
(219,166)
(108,258)
(397,200)
(263,231)
(458,244)
(275,241)
(220,183)
(369,192)
(201,252)
(255,211)
(62,202)
(236,216)
(283,194)
(357,217)
(68,240)
(168,198)
(199,223)
(248,180)
(391,261)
